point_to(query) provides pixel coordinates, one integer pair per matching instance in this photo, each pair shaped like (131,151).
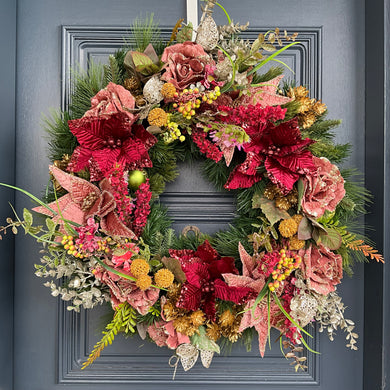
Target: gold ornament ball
(136,178)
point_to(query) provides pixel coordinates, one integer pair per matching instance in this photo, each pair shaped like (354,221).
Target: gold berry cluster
(77,250)
(310,109)
(282,202)
(285,266)
(190,99)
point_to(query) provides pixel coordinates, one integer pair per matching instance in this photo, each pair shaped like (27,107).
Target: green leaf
(28,219)
(51,225)
(268,47)
(201,341)
(185,34)
(140,59)
(305,229)
(174,266)
(301,190)
(147,70)
(331,239)
(269,209)
(271,57)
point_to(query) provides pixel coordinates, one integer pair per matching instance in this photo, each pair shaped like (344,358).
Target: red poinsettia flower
(203,269)
(282,151)
(109,139)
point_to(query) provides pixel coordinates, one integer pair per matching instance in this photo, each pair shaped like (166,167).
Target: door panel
(52,343)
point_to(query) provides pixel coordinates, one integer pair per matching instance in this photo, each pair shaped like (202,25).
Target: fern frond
(124,320)
(367,250)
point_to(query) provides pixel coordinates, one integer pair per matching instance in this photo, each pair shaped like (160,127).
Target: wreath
(109,239)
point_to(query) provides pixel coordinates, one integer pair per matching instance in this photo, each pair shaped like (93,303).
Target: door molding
(7,175)
(377,168)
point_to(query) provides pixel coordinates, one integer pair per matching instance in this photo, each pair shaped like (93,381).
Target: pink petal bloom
(124,261)
(83,201)
(323,268)
(265,95)
(324,188)
(164,335)
(185,64)
(254,278)
(111,100)
(124,290)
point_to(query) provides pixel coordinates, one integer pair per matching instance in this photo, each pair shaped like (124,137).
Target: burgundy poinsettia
(203,269)
(109,139)
(283,153)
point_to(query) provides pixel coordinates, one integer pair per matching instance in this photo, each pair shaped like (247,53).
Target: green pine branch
(273,72)
(60,140)
(86,85)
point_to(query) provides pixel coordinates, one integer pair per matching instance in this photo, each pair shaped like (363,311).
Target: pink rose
(111,100)
(123,290)
(164,334)
(323,268)
(324,189)
(185,64)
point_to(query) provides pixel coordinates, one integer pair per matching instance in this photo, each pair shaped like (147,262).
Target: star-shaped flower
(109,139)
(203,270)
(266,94)
(254,278)
(282,151)
(84,200)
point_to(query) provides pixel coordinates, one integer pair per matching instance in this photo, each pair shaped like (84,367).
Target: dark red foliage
(205,145)
(107,140)
(283,153)
(203,269)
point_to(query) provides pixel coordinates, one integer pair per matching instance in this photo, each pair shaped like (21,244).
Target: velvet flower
(83,201)
(253,277)
(324,188)
(124,290)
(283,153)
(323,268)
(111,100)
(185,64)
(107,140)
(165,335)
(203,269)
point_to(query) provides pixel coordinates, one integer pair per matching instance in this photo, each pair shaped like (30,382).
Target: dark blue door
(49,343)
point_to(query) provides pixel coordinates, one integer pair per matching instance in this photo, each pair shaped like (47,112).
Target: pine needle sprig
(86,85)
(367,250)
(158,221)
(124,321)
(322,129)
(217,173)
(335,153)
(273,72)
(145,31)
(112,72)
(60,140)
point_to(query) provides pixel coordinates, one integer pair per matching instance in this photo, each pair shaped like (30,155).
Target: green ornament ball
(136,178)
